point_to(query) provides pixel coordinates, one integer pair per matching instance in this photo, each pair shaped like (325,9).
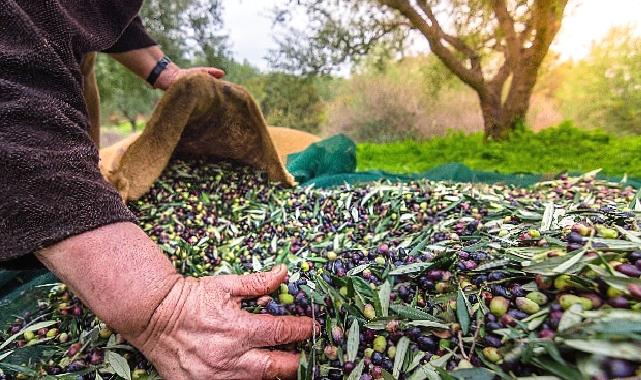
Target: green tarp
(332,162)
(328,163)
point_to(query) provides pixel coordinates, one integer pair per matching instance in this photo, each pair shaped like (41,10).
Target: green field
(553,150)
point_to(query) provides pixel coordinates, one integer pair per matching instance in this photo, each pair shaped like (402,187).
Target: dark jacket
(50,186)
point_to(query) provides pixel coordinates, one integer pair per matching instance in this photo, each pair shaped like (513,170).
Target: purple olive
(634,256)
(628,270)
(492,340)
(619,368)
(575,238)
(618,302)
(427,343)
(348,367)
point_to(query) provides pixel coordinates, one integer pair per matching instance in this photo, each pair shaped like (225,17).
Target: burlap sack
(200,117)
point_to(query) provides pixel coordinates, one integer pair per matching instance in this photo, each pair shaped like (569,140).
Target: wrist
(167,76)
(163,319)
(117,271)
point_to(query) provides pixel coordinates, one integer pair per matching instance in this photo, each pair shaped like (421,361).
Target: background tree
(189,32)
(293,102)
(494,46)
(122,92)
(603,90)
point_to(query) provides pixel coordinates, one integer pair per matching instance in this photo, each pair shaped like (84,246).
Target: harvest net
(416,279)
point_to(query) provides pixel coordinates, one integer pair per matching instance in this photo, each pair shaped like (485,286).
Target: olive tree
(190,32)
(494,46)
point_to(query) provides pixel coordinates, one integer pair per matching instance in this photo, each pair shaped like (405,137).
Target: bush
(552,150)
(400,100)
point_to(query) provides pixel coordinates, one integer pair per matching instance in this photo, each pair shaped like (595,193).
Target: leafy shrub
(552,150)
(411,98)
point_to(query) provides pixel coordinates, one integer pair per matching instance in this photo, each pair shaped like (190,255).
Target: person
(55,206)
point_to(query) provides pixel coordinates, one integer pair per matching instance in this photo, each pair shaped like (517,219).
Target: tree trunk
(132,122)
(500,116)
(500,120)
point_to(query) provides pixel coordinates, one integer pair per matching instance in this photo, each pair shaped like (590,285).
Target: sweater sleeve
(133,37)
(50,185)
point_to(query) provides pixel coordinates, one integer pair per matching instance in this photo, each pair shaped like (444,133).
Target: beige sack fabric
(198,117)
(288,141)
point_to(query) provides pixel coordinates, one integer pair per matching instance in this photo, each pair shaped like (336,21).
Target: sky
(250,27)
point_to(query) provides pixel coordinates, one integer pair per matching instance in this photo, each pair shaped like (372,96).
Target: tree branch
(501,76)
(506,26)
(435,37)
(546,20)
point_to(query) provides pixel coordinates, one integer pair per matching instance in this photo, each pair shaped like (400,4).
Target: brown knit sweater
(50,186)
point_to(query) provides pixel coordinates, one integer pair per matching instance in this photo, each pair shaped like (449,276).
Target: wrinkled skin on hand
(190,328)
(200,332)
(172,73)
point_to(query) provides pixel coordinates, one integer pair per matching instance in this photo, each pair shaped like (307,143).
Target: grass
(553,150)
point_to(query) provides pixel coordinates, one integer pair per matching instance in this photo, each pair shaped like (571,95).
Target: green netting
(21,293)
(335,155)
(330,162)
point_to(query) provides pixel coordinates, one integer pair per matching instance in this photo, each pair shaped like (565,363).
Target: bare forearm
(142,61)
(118,272)
(127,282)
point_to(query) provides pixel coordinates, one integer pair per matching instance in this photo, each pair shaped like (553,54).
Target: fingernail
(317,328)
(278,268)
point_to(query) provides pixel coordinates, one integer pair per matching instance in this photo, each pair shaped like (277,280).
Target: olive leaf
(621,350)
(18,368)
(411,268)
(567,264)
(358,269)
(548,217)
(440,362)
(617,326)
(462,314)
(429,323)
(571,317)
(473,374)
(118,364)
(384,297)
(563,371)
(425,372)
(31,327)
(357,371)
(401,349)
(353,341)
(411,313)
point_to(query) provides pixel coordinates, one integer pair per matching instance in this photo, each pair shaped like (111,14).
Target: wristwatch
(155,73)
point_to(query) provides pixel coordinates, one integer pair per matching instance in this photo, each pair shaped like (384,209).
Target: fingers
(214,72)
(269,330)
(270,365)
(256,284)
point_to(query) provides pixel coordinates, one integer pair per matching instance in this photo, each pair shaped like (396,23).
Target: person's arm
(142,61)
(189,328)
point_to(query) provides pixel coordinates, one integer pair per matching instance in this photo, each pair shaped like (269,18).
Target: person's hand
(172,73)
(190,328)
(200,332)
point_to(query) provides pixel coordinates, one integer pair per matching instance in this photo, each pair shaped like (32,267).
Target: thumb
(257,284)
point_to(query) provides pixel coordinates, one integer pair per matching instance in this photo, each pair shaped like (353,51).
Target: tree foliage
(293,102)
(604,89)
(494,46)
(188,31)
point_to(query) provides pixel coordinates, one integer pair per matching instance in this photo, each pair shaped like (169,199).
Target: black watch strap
(155,73)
